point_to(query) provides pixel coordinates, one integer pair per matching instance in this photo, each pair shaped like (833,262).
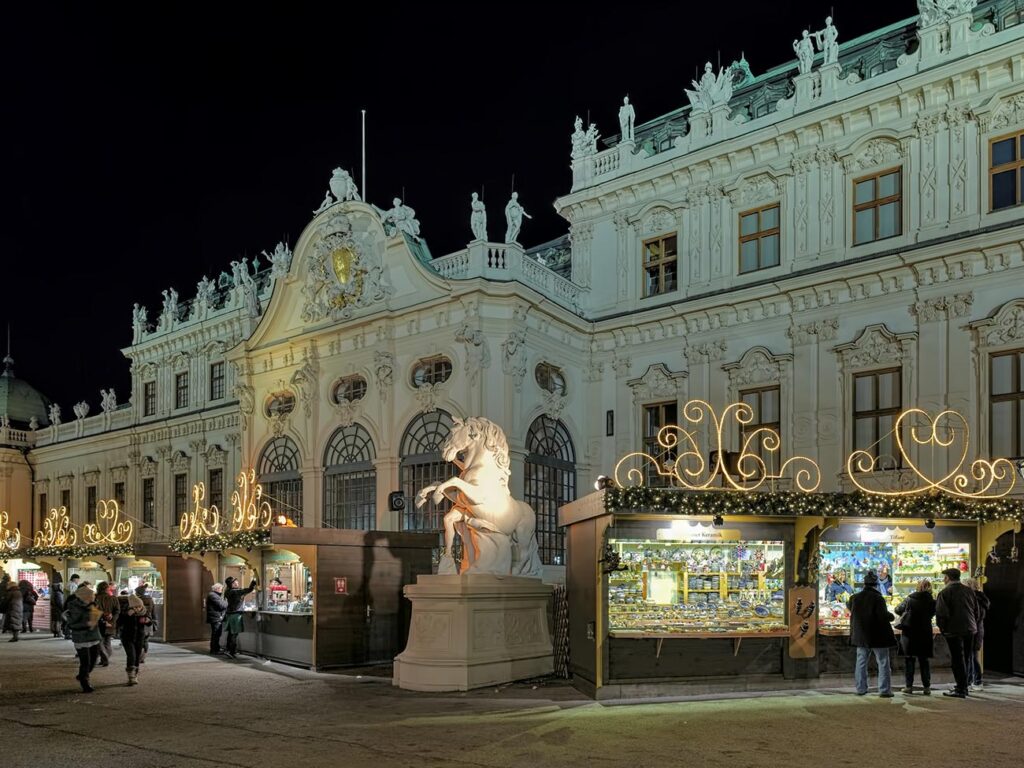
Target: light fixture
(602,482)
(718,521)
(929,523)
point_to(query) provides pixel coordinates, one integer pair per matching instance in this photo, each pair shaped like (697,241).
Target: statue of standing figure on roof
(940,11)
(584,142)
(711,90)
(828,41)
(627,117)
(139,322)
(514,213)
(804,49)
(478,217)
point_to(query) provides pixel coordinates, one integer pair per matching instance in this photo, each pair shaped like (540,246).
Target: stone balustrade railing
(18,437)
(120,418)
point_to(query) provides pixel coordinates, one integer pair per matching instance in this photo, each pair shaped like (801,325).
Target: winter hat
(141,589)
(86,594)
(870,579)
(952,573)
(229,581)
(135,604)
(57,578)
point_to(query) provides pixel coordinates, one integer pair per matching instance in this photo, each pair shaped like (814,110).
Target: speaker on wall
(396,501)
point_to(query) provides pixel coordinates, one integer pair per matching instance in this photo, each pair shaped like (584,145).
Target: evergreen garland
(78,552)
(221,541)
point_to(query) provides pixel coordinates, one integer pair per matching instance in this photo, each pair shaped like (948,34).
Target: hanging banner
(803,622)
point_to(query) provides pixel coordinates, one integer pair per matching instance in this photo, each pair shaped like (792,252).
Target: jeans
(973,666)
(860,674)
(105,649)
(960,647)
(132,651)
(86,661)
(26,622)
(926,671)
(216,629)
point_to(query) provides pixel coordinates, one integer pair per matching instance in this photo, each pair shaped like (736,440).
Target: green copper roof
(20,401)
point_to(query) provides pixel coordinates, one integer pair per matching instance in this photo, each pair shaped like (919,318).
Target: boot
(133,676)
(84,681)
(15,638)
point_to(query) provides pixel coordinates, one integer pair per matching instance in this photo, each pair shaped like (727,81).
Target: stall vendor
(838,588)
(884,580)
(278,591)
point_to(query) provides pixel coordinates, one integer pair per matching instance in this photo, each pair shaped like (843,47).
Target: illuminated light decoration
(221,541)
(56,531)
(690,471)
(983,479)
(249,512)
(10,538)
(200,520)
(118,530)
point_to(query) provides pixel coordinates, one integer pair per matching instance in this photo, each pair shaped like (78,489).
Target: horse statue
(498,532)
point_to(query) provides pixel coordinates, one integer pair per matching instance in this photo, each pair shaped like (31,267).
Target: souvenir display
(287,584)
(667,587)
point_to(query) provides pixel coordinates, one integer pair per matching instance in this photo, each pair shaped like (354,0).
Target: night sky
(146,147)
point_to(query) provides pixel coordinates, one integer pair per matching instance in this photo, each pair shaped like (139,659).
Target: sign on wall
(341,585)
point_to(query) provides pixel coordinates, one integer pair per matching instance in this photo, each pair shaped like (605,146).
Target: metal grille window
(878,206)
(1006,405)
(119,495)
(877,402)
(759,239)
(149,398)
(180,495)
(90,503)
(423,465)
(181,390)
(351,389)
(350,480)
(431,370)
(215,488)
(550,474)
(660,265)
(278,470)
(217,381)
(764,403)
(148,502)
(655,417)
(1006,171)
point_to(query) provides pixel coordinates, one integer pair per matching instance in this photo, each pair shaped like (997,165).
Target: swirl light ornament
(117,530)
(685,465)
(56,530)
(944,439)
(200,520)
(10,538)
(249,512)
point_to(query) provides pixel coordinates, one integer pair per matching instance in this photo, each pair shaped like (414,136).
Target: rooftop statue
(478,218)
(55,415)
(81,410)
(828,41)
(940,11)
(327,203)
(804,49)
(584,142)
(343,187)
(140,320)
(170,312)
(108,400)
(711,91)
(514,213)
(280,260)
(401,218)
(206,293)
(627,117)
(498,532)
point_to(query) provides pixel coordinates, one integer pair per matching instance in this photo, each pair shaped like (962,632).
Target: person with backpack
(150,626)
(234,597)
(83,618)
(916,642)
(216,608)
(974,678)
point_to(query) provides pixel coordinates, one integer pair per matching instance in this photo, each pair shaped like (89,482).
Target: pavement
(191,709)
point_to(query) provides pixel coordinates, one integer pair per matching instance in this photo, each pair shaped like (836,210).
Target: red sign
(341,585)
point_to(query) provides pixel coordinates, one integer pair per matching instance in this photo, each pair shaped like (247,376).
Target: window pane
(770,406)
(652,281)
(889,220)
(748,256)
(864,433)
(865,191)
(670,246)
(1002,429)
(886,441)
(1004,151)
(770,251)
(748,224)
(889,390)
(1004,189)
(889,185)
(670,277)
(770,218)
(654,250)
(864,397)
(670,414)
(753,400)
(865,226)
(1002,374)
(1020,372)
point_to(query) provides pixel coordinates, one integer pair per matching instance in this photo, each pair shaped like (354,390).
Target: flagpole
(364,156)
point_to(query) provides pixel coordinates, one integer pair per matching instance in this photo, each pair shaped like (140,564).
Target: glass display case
(666,587)
(243,573)
(90,571)
(287,583)
(131,573)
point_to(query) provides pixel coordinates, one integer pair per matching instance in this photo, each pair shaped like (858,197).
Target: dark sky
(146,146)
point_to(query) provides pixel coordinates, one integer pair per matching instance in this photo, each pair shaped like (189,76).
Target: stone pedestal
(473,631)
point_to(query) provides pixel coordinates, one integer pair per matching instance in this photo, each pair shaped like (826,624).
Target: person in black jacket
(956,611)
(29,598)
(234,597)
(973,658)
(216,607)
(57,605)
(5,581)
(871,632)
(916,641)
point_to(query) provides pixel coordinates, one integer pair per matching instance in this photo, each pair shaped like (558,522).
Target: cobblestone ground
(193,710)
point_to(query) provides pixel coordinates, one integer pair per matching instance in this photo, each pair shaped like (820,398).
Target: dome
(20,401)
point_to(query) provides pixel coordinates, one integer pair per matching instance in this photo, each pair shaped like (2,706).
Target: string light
(200,520)
(249,510)
(10,538)
(118,531)
(56,530)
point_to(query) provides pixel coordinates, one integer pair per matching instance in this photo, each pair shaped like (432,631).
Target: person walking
(107,602)
(133,619)
(871,633)
(234,597)
(142,592)
(916,643)
(12,606)
(956,611)
(5,582)
(29,598)
(974,678)
(216,608)
(83,620)
(57,605)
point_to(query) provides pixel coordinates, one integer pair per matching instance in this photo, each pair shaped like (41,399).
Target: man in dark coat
(5,581)
(234,597)
(57,606)
(216,608)
(142,592)
(871,632)
(111,607)
(956,611)
(12,604)
(29,598)
(916,641)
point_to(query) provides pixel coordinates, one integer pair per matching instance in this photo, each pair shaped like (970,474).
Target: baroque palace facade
(832,241)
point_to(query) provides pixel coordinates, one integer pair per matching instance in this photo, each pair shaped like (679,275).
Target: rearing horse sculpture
(498,532)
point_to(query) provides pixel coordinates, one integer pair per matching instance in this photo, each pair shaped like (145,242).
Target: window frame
(180,495)
(215,495)
(181,390)
(745,429)
(1017,166)
(1016,396)
(65,499)
(757,236)
(660,263)
(149,502)
(91,500)
(120,491)
(149,398)
(218,381)
(876,413)
(649,443)
(876,203)
(433,364)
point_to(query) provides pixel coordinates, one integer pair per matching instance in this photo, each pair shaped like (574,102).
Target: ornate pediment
(757,366)
(657,383)
(658,220)
(180,462)
(1009,113)
(759,188)
(876,345)
(1005,326)
(874,154)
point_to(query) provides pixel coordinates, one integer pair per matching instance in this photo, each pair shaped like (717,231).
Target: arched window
(422,465)
(278,470)
(550,482)
(350,480)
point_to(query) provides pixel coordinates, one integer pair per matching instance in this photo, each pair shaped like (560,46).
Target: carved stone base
(473,631)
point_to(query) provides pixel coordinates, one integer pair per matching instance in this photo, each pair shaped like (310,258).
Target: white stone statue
(343,187)
(514,213)
(401,218)
(108,400)
(170,314)
(5,421)
(55,414)
(711,90)
(804,49)
(498,532)
(237,273)
(940,11)
(327,203)
(280,260)
(584,142)
(139,322)
(828,41)
(478,218)
(33,423)
(627,117)
(250,294)
(206,296)
(81,409)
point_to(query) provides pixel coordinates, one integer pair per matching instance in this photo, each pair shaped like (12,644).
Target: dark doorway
(1004,625)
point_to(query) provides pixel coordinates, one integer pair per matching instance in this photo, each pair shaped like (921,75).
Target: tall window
(877,401)
(119,495)
(215,488)
(281,478)
(655,417)
(65,500)
(759,239)
(878,206)
(180,495)
(660,265)
(350,480)
(764,403)
(550,473)
(217,381)
(149,502)
(1007,404)
(423,465)
(90,503)
(1006,171)
(181,390)
(149,398)
(42,505)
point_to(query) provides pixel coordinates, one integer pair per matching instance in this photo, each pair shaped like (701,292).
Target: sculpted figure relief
(941,11)
(711,90)
(828,41)
(478,218)
(280,260)
(584,142)
(627,117)
(55,415)
(401,218)
(498,532)
(514,213)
